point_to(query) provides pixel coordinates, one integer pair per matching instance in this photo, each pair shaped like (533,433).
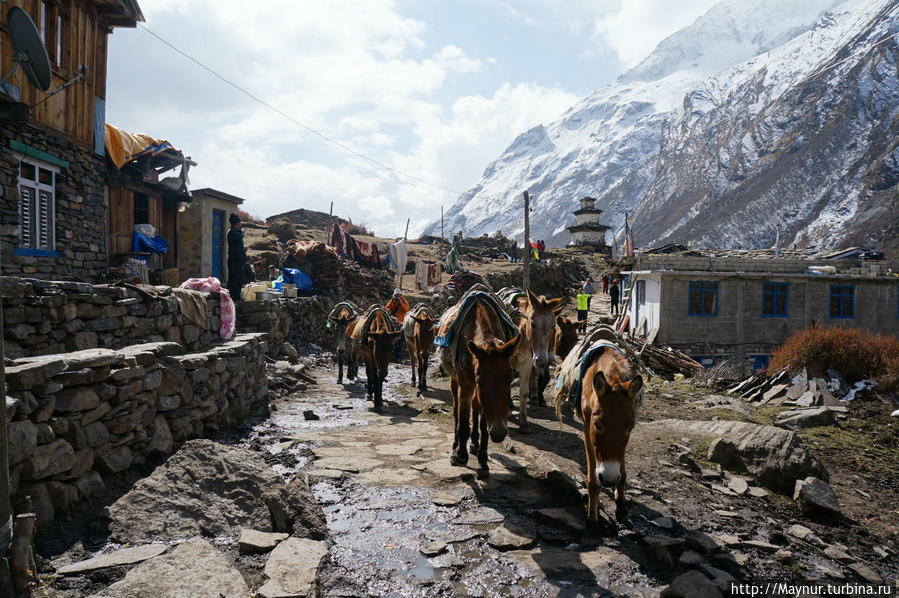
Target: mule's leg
(620,497)
(454,390)
(423,371)
(379,389)
(413,360)
(475,431)
(369,379)
(483,469)
(340,367)
(542,383)
(592,482)
(524,381)
(463,423)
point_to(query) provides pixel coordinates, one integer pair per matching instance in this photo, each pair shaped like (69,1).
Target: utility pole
(526,281)
(441,222)
(330,224)
(405,235)
(6,523)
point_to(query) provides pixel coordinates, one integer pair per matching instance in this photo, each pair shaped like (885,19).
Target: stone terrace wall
(295,321)
(76,417)
(42,318)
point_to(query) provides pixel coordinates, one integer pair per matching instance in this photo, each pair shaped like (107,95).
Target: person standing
(583,308)
(605,284)
(588,290)
(398,307)
(614,296)
(237,258)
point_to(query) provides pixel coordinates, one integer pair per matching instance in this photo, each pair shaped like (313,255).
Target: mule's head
(566,336)
(612,397)
(380,343)
(425,329)
(493,381)
(540,325)
(339,323)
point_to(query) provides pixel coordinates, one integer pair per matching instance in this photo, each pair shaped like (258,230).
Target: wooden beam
(526,262)
(405,235)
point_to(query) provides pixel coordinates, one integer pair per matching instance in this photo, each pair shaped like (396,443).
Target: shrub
(358,229)
(855,353)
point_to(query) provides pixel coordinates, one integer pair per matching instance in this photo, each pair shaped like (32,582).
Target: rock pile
(295,320)
(553,277)
(75,416)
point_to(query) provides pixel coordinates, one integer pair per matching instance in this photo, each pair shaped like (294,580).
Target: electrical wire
(295,121)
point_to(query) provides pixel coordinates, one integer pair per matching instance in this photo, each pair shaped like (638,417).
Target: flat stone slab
(503,538)
(434,548)
(445,499)
(481,516)
(195,569)
(559,561)
(446,472)
(397,449)
(125,556)
(348,464)
(292,568)
(252,541)
(564,517)
(330,474)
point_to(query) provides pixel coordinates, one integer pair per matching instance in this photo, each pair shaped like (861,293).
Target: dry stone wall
(296,321)
(76,417)
(45,317)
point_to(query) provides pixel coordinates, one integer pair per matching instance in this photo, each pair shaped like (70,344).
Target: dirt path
(407,523)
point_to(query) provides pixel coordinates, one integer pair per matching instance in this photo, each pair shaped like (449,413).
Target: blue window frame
(774,300)
(703,298)
(842,301)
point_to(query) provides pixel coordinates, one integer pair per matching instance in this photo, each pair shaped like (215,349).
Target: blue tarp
(141,243)
(297,277)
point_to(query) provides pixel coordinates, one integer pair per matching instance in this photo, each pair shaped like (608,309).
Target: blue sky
(434,89)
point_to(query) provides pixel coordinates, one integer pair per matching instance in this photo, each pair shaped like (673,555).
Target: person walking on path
(605,284)
(588,290)
(237,258)
(583,308)
(614,295)
(398,307)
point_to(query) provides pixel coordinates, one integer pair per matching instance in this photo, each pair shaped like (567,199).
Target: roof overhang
(119,13)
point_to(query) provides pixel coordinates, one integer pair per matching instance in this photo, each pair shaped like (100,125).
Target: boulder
(295,511)
(76,398)
(292,568)
(204,488)
(22,440)
(49,460)
(776,457)
(816,496)
(504,538)
(195,569)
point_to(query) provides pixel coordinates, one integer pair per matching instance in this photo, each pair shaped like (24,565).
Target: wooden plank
(121,219)
(169,232)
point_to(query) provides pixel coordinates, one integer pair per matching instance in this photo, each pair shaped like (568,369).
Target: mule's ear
(474,349)
(532,298)
(555,304)
(599,384)
(560,321)
(634,386)
(509,347)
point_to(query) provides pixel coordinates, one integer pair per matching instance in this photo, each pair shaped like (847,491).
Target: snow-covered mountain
(760,112)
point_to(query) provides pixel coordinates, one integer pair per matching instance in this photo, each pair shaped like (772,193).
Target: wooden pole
(6,522)
(405,236)
(442,236)
(526,281)
(330,224)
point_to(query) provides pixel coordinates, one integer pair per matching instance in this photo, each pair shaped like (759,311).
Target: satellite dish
(28,49)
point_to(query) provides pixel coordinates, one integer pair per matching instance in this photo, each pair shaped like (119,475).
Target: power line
(293,120)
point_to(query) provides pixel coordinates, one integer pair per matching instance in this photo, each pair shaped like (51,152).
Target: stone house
(52,163)
(716,308)
(202,230)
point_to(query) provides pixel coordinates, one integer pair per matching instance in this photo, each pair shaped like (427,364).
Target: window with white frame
(37,204)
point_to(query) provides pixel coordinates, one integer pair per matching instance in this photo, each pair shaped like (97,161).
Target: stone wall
(42,317)
(553,277)
(80,207)
(297,321)
(76,417)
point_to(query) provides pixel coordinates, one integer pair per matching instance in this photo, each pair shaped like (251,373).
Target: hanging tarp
(123,147)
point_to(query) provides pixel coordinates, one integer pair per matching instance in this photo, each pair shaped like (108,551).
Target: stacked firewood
(666,362)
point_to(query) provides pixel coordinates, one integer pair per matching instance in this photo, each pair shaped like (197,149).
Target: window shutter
(26,215)
(45,220)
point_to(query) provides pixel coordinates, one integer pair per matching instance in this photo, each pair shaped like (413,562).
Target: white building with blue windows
(745,304)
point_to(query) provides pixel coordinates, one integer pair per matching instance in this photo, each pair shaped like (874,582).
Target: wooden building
(52,163)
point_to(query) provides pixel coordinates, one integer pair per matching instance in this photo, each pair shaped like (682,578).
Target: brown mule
(375,336)
(419,330)
(538,333)
(479,363)
(342,315)
(566,336)
(609,397)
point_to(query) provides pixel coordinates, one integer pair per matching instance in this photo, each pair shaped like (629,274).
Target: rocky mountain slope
(757,114)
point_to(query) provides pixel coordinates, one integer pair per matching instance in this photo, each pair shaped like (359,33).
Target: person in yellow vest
(583,308)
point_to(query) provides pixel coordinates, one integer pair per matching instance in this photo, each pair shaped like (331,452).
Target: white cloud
(452,57)
(637,27)
(376,205)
